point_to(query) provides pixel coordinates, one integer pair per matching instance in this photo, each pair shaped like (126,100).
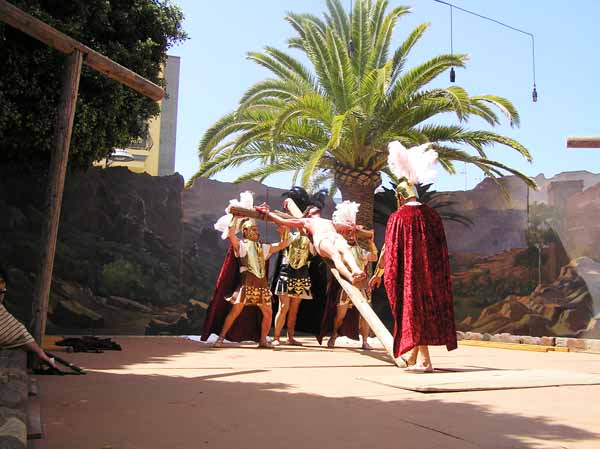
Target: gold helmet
(406,189)
(411,167)
(248,223)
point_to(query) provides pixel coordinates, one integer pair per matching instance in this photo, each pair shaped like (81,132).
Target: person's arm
(372,255)
(375,281)
(235,242)
(287,222)
(284,241)
(343,227)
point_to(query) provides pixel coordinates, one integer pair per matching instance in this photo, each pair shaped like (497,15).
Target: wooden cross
(356,295)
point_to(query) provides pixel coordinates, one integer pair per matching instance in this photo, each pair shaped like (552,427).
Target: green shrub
(122,278)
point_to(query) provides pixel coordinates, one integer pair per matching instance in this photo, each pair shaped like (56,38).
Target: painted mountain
(138,254)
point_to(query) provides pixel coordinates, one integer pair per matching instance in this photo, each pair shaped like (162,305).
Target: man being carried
(326,240)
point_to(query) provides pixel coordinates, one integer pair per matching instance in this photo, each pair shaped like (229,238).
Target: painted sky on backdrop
(215,72)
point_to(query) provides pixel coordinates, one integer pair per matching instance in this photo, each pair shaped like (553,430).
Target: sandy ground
(172,393)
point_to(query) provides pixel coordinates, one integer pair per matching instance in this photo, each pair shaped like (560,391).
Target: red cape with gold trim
(417,279)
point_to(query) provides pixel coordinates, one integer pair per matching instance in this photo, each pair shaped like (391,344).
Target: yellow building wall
(148,159)
(150,164)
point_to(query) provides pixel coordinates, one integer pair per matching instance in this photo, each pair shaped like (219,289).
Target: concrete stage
(173,393)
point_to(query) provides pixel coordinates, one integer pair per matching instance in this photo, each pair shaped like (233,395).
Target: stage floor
(173,393)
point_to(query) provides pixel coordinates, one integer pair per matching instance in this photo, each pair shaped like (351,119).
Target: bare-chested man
(326,240)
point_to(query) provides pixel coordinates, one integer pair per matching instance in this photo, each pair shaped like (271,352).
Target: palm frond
(402,52)
(507,108)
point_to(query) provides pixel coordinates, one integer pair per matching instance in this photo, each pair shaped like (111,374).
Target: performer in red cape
(340,318)
(247,325)
(415,267)
(242,282)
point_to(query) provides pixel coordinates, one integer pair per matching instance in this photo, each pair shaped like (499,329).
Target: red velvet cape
(350,324)
(417,279)
(247,325)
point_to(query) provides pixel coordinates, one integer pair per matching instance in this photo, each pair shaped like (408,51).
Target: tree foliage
(331,120)
(134,33)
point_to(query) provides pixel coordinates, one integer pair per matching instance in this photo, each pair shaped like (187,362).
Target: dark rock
(127,304)
(69,313)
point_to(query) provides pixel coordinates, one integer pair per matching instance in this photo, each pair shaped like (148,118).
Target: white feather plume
(345,212)
(246,201)
(415,164)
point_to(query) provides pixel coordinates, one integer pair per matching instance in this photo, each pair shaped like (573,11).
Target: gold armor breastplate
(298,251)
(254,260)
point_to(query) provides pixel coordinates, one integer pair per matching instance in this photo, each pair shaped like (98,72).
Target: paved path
(171,393)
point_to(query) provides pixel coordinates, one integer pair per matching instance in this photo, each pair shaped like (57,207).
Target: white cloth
(332,236)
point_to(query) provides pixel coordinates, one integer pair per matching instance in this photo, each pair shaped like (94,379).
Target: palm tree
(331,123)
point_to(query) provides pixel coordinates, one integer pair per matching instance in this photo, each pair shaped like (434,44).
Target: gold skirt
(253,291)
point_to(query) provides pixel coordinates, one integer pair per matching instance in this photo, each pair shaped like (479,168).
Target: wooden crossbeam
(50,36)
(583,142)
(252,213)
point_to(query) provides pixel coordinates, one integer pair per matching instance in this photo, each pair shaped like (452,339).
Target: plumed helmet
(299,196)
(318,199)
(411,166)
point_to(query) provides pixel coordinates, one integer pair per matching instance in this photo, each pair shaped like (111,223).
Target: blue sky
(215,72)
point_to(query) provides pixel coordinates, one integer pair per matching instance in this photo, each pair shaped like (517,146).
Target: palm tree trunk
(359,185)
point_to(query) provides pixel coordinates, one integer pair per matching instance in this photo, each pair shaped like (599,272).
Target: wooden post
(56,181)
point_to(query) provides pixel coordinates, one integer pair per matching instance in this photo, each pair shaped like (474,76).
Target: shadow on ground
(210,406)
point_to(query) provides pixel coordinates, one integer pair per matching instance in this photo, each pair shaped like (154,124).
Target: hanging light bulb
(452,72)
(534,95)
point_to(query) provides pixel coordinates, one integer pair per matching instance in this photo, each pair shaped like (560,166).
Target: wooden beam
(583,142)
(252,213)
(56,181)
(365,310)
(50,36)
